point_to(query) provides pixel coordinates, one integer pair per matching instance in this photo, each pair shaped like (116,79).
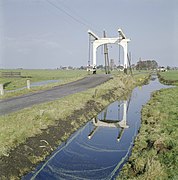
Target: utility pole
(106,57)
(108,60)
(129,61)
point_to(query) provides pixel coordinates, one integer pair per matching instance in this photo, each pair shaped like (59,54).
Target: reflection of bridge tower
(111,123)
(123,122)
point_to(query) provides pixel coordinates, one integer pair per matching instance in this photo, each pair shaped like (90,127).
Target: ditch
(100,148)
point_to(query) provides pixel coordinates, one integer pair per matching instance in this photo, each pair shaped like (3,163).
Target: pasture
(64,76)
(15,86)
(170,75)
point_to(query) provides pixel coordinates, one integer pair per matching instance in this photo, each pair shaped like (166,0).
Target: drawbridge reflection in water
(93,152)
(117,123)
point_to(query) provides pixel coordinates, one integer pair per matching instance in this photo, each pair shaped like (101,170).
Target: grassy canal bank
(29,135)
(169,77)
(155,152)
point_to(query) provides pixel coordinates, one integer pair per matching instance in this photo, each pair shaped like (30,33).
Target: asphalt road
(17,103)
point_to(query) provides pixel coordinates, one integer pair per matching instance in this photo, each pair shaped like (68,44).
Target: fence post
(28,83)
(1,89)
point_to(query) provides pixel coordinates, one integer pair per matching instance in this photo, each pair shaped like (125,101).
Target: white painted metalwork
(121,40)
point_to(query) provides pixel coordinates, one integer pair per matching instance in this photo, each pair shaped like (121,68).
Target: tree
(100,67)
(146,65)
(168,68)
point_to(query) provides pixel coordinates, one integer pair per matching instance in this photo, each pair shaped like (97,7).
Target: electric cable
(79,17)
(81,22)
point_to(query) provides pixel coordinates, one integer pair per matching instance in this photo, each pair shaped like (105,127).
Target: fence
(11,74)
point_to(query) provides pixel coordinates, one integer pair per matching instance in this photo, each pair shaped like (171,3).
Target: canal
(100,148)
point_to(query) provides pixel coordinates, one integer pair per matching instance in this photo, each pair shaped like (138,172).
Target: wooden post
(1,89)
(28,83)
(106,55)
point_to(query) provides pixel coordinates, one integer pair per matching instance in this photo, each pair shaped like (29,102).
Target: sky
(47,34)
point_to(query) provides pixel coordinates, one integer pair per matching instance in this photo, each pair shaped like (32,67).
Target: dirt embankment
(26,156)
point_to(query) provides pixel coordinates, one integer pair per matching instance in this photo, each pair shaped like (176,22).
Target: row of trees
(146,65)
(141,65)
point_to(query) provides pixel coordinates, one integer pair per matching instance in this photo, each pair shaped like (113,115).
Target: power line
(68,14)
(73,12)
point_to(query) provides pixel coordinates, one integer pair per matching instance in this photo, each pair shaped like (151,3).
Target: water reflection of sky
(35,84)
(102,155)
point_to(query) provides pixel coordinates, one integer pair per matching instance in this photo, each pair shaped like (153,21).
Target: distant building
(162,69)
(64,68)
(112,64)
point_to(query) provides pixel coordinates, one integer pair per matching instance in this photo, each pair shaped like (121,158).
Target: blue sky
(53,33)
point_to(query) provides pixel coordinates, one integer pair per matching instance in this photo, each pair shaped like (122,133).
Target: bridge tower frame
(121,40)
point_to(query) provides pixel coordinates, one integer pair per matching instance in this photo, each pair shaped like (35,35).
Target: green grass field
(40,75)
(64,76)
(170,75)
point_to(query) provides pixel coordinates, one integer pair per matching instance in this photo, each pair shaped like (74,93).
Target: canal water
(35,84)
(100,148)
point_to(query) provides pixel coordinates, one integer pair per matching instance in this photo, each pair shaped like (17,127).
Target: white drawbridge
(121,40)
